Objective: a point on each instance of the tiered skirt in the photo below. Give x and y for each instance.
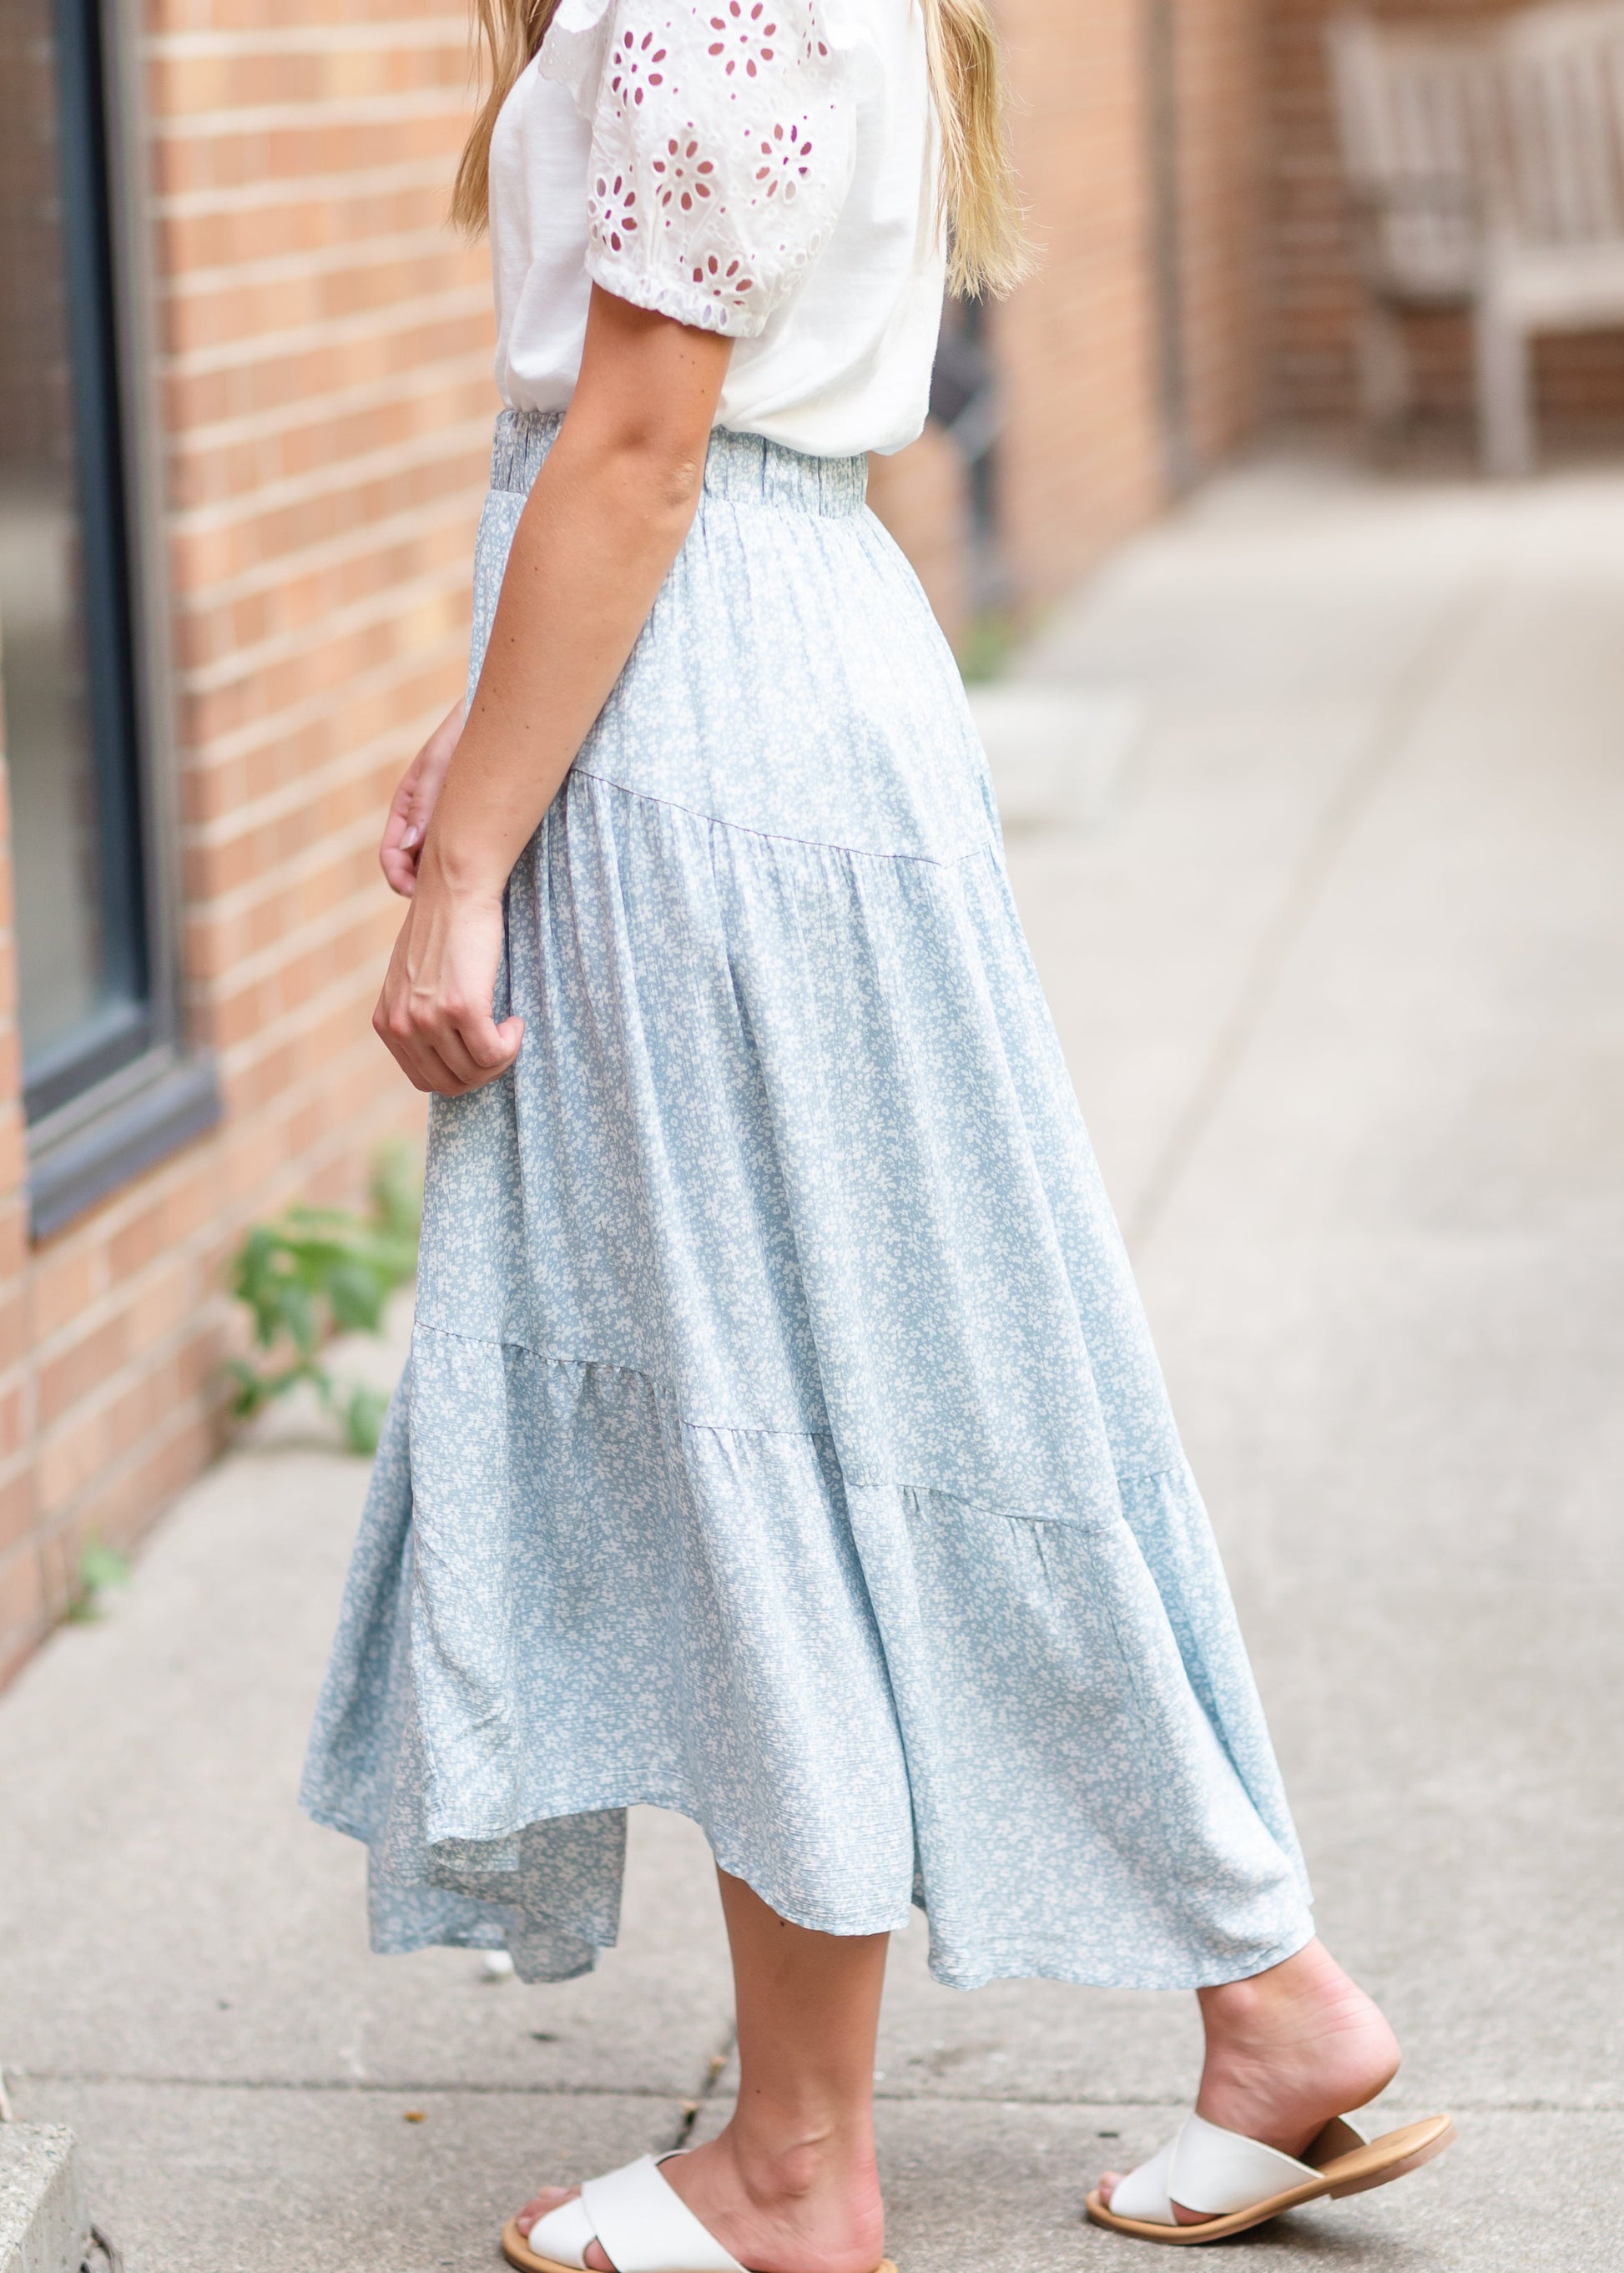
(782, 1442)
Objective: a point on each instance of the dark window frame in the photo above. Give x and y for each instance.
(92, 1129)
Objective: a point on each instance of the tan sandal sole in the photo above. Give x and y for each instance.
(1375, 2164)
(518, 2252)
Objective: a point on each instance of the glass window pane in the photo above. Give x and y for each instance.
(64, 646)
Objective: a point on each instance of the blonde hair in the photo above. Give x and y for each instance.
(986, 238)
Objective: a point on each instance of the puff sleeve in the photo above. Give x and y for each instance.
(722, 149)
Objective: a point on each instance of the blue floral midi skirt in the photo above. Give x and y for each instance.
(782, 1441)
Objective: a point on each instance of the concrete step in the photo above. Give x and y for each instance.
(44, 2216)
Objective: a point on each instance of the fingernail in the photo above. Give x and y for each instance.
(410, 837)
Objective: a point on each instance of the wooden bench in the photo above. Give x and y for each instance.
(1485, 168)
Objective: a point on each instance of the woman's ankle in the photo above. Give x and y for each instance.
(788, 2159)
(1306, 1998)
(1291, 2047)
(801, 2204)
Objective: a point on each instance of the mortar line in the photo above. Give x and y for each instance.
(1397, 713)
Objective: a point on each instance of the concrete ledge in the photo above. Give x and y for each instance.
(44, 2217)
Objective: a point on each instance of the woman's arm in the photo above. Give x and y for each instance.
(604, 523)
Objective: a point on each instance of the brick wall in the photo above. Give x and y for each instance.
(1080, 457)
(921, 495)
(30, 293)
(327, 399)
(1087, 450)
(1219, 81)
(1312, 292)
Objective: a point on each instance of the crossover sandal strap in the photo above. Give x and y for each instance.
(1207, 2169)
(643, 2225)
(1143, 2194)
(563, 2234)
(1217, 2172)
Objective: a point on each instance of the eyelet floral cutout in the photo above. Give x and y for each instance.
(743, 37)
(786, 160)
(683, 175)
(612, 210)
(634, 67)
(727, 286)
(722, 149)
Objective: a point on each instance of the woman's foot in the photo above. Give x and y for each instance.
(1285, 2052)
(791, 2186)
(812, 2208)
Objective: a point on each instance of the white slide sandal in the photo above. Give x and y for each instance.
(642, 2223)
(1238, 2182)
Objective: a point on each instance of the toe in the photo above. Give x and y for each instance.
(550, 2198)
(1108, 2185)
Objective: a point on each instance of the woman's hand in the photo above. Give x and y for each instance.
(413, 801)
(434, 1012)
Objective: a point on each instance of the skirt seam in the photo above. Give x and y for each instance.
(779, 836)
(665, 1398)
(661, 1394)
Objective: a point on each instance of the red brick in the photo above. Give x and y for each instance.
(24, 1616)
(65, 1279)
(16, 1508)
(74, 1372)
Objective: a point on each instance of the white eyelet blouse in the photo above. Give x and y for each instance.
(762, 168)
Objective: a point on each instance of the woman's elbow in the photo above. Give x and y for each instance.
(673, 473)
(646, 398)
(647, 467)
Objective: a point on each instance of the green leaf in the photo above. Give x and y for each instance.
(100, 1571)
(319, 1272)
(101, 1567)
(356, 1297)
(397, 1195)
(364, 1418)
(248, 1391)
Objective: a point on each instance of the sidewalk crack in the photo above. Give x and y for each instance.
(715, 2067)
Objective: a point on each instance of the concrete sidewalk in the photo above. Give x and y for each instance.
(1339, 977)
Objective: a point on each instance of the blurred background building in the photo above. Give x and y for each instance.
(245, 417)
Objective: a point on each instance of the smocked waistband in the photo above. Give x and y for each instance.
(743, 469)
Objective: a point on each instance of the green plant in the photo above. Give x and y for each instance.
(990, 639)
(101, 1572)
(321, 1271)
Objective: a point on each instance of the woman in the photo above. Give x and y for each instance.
(782, 1442)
